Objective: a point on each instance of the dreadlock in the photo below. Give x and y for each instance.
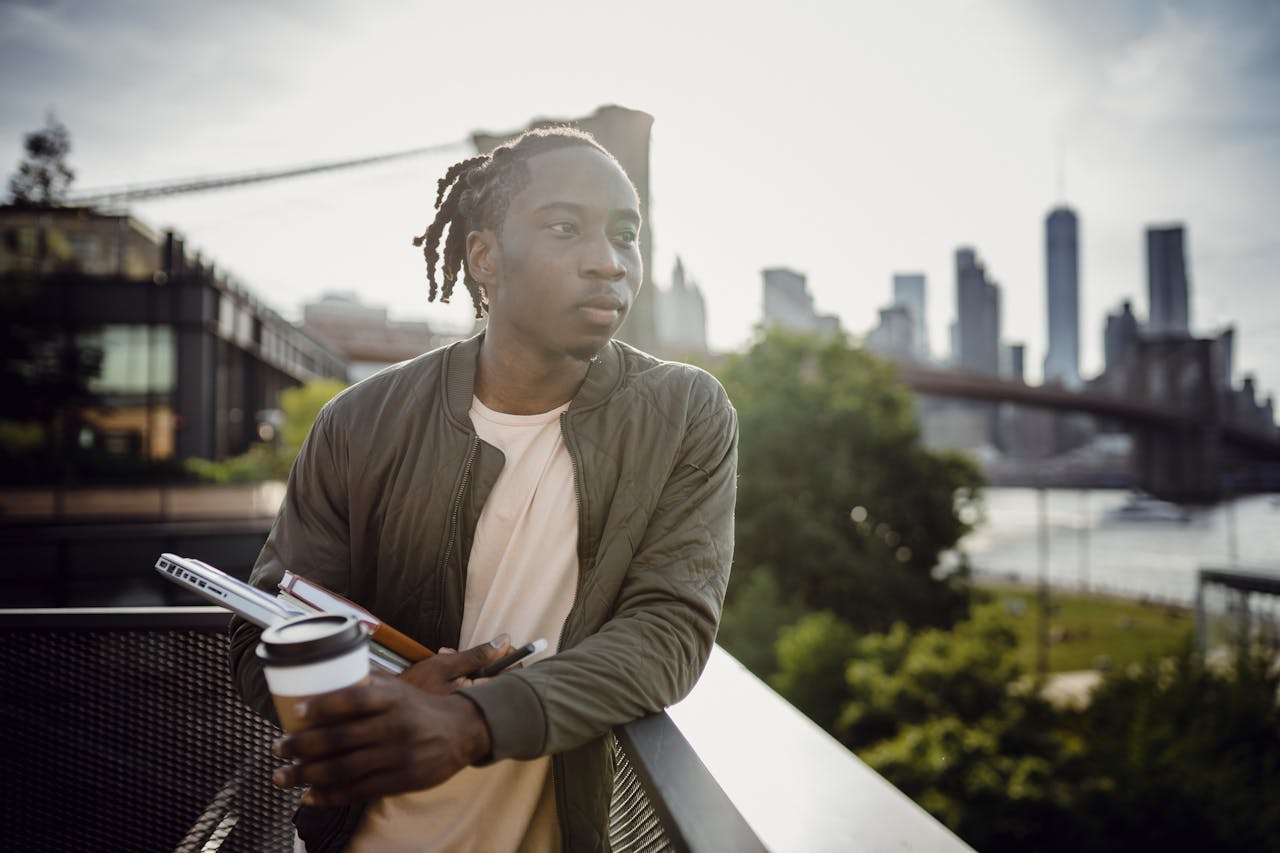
(474, 195)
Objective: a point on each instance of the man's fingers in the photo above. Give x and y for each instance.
(346, 782)
(466, 662)
(346, 770)
(322, 740)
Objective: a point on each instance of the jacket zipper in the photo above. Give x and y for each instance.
(453, 529)
(557, 761)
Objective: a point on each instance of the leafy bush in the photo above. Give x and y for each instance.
(749, 629)
(1186, 756)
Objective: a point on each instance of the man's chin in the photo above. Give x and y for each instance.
(589, 351)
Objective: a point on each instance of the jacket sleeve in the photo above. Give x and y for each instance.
(651, 651)
(310, 536)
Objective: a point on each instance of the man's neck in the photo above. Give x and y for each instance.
(517, 382)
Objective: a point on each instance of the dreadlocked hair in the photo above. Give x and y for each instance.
(474, 195)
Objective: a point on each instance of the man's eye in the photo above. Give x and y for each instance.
(627, 236)
(567, 228)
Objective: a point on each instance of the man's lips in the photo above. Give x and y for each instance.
(601, 310)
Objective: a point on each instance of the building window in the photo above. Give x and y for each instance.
(244, 327)
(85, 246)
(133, 361)
(226, 316)
(26, 242)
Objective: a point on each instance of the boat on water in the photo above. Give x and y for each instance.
(1142, 508)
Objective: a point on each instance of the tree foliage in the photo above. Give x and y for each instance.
(301, 406)
(812, 656)
(948, 719)
(43, 176)
(751, 626)
(838, 498)
(1172, 755)
(1187, 755)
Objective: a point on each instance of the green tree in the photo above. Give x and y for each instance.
(301, 406)
(43, 176)
(838, 499)
(812, 656)
(948, 718)
(751, 626)
(1186, 756)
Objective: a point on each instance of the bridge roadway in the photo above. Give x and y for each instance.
(1128, 410)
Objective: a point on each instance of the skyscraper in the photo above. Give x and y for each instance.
(1061, 255)
(909, 293)
(682, 316)
(977, 331)
(1167, 287)
(894, 335)
(1013, 361)
(789, 304)
(1120, 334)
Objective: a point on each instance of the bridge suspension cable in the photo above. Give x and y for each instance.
(158, 189)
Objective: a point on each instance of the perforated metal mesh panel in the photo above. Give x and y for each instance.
(633, 824)
(132, 741)
(135, 740)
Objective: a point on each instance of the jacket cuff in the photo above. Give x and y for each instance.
(517, 726)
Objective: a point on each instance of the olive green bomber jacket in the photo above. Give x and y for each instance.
(382, 506)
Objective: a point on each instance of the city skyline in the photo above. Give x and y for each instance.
(839, 156)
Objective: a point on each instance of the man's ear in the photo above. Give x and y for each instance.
(482, 257)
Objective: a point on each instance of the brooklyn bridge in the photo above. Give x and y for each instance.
(1191, 441)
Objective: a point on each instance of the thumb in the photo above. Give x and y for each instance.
(466, 662)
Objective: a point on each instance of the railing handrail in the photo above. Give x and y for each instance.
(210, 619)
(692, 807)
(1241, 579)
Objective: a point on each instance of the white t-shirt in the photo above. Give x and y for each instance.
(521, 579)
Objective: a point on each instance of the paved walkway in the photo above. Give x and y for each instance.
(1071, 689)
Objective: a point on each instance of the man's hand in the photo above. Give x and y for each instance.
(447, 672)
(384, 737)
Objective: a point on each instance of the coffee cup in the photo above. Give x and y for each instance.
(309, 656)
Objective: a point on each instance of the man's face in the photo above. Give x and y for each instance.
(568, 255)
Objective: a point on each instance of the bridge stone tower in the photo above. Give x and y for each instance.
(1184, 462)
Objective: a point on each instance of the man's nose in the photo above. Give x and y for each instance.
(601, 259)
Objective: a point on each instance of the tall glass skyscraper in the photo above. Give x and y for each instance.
(909, 293)
(1062, 281)
(1167, 287)
(977, 330)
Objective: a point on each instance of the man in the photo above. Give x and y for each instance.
(540, 480)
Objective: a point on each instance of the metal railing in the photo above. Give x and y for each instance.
(1235, 608)
(121, 730)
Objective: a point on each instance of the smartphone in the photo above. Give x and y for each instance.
(490, 670)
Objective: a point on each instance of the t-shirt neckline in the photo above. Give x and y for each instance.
(505, 419)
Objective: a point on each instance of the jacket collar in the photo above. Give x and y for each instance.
(460, 378)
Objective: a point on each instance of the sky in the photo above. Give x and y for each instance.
(847, 141)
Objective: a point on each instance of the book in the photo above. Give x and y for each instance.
(375, 648)
(312, 594)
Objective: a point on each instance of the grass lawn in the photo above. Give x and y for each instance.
(1090, 631)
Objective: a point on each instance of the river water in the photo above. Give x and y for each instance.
(1093, 546)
